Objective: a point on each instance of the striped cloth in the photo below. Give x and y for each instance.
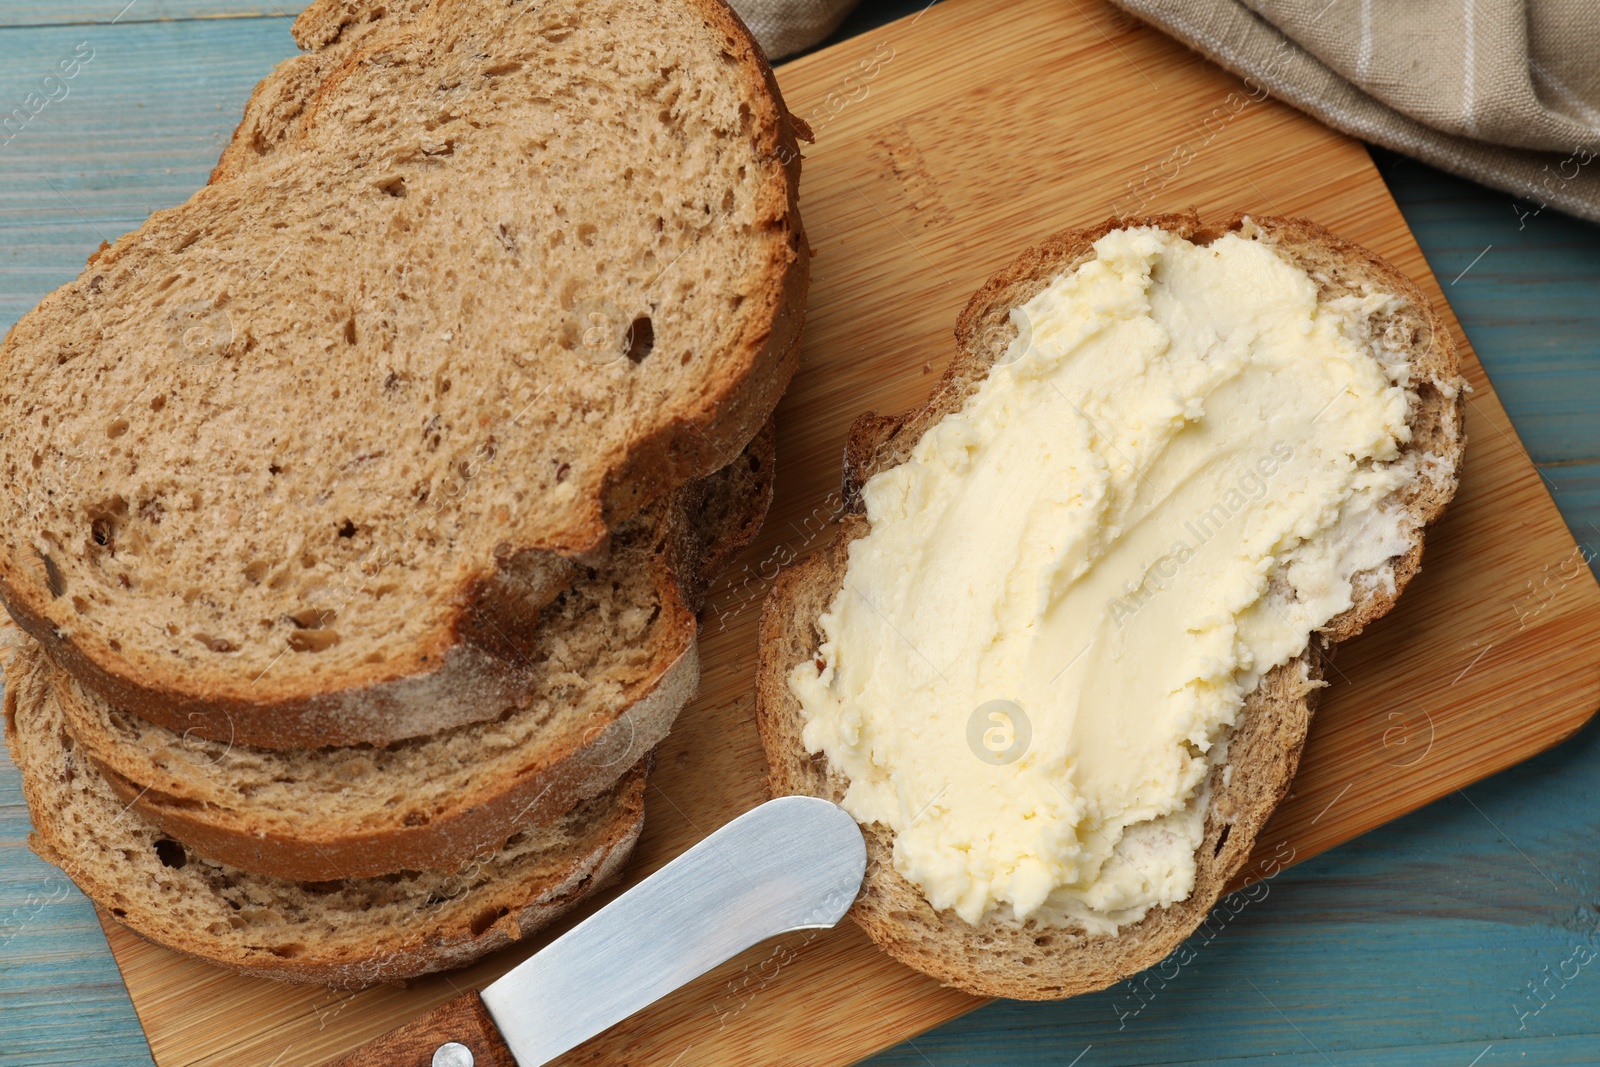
(1505, 92)
(787, 26)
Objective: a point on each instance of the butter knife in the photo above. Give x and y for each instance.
(794, 863)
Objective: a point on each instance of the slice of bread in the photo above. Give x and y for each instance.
(349, 932)
(616, 661)
(1000, 956)
(276, 503)
(328, 31)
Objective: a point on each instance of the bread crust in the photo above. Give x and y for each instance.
(1028, 960)
(253, 835)
(436, 934)
(469, 667)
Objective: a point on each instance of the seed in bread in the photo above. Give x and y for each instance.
(297, 462)
(1028, 933)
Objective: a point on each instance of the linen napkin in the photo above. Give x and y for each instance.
(1505, 92)
(786, 26)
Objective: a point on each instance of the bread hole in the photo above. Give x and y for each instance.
(103, 531)
(728, 202)
(641, 338)
(117, 428)
(509, 66)
(1222, 838)
(487, 918)
(256, 571)
(38, 461)
(441, 386)
(170, 853)
(307, 560)
(586, 233)
(273, 468)
(350, 329)
(80, 605)
(395, 187)
(120, 913)
(416, 818)
(158, 401)
(54, 580)
(116, 646)
(348, 529)
(288, 952)
(313, 640)
(1044, 941)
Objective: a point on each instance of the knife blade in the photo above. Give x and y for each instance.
(794, 863)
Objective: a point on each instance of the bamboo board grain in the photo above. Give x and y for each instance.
(945, 144)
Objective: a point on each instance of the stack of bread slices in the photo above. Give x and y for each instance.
(358, 510)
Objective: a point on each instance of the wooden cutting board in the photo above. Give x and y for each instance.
(945, 144)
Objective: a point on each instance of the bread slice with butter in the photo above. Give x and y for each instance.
(355, 523)
(615, 659)
(1021, 938)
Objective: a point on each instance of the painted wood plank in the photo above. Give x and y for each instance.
(137, 128)
(116, 12)
(1528, 283)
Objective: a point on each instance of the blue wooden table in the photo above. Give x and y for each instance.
(1466, 934)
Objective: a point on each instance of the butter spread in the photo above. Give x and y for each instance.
(1168, 481)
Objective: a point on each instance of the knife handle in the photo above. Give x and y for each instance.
(427, 1042)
